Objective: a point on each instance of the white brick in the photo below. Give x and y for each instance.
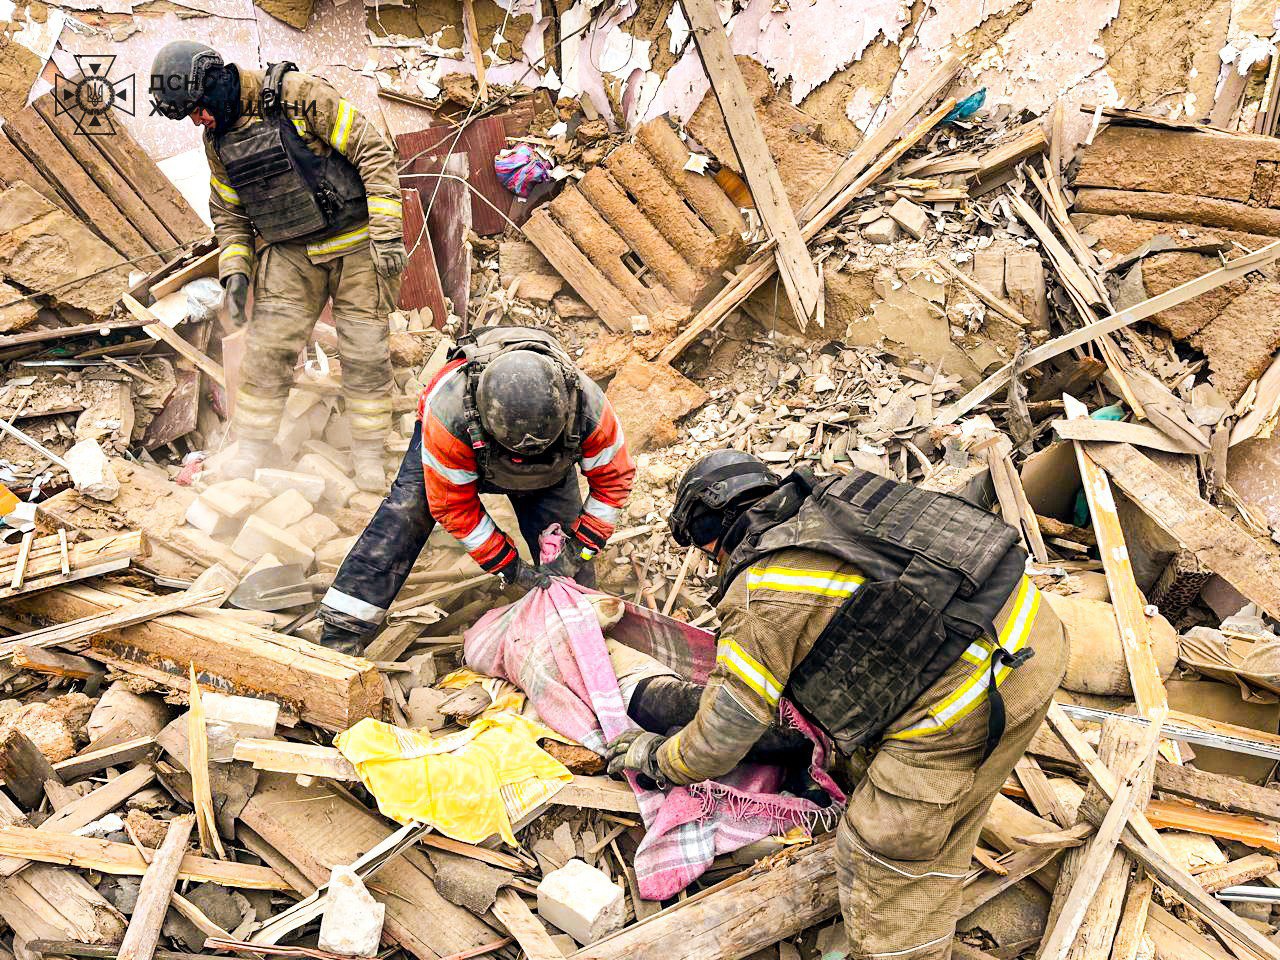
(235, 498)
(201, 544)
(315, 530)
(91, 471)
(352, 921)
(332, 454)
(258, 537)
(293, 433)
(285, 510)
(247, 716)
(264, 562)
(338, 487)
(582, 901)
(330, 555)
(208, 520)
(276, 482)
(338, 433)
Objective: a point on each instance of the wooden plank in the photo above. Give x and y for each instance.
(20, 564)
(85, 151)
(1234, 270)
(1247, 868)
(299, 759)
(598, 793)
(43, 334)
(100, 802)
(143, 935)
(998, 304)
(158, 330)
(53, 663)
(1018, 866)
(30, 135)
(1118, 431)
(91, 761)
(24, 768)
(1133, 919)
(799, 276)
(527, 929)
(124, 859)
(71, 948)
(1223, 547)
(1043, 797)
(607, 300)
(323, 687)
(203, 266)
(477, 52)
(198, 767)
(43, 566)
(1130, 608)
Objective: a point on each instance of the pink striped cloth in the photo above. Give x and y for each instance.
(549, 644)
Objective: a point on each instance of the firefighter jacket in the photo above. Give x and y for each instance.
(771, 615)
(454, 483)
(325, 121)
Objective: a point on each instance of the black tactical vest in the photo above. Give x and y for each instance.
(289, 192)
(938, 571)
(500, 471)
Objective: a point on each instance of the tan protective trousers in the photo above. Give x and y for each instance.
(289, 292)
(905, 843)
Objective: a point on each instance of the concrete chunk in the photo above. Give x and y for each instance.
(880, 230)
(276, 482)
(424, 708)
(338, 487)
(258, 537)
(205, 518)
(285, 510)
(247, 716)
(352, 921)
(236, 498)
(315, 530)
(582, 901)
(91, 471)
(910, 217)
(1025, 283)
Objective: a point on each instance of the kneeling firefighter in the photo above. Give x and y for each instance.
(898, 620)
(295, 165)
(509, 413)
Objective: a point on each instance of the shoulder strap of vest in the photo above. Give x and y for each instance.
(272, 94)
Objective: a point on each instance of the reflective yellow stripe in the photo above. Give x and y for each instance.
(342, 125)
(343, 241)
(966, 698)
(233, 250)
(796, 580)
(749, 670)
(300, 124)
(225, 191)
(677, 761)
(385, 205)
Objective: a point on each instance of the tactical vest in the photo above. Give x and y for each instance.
(289, 192)
(501, 471)
(937, 568)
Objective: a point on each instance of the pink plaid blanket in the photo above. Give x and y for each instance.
(550, 645)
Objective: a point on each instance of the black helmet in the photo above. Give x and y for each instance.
(523, 401)
(178, 76)
(714, 491)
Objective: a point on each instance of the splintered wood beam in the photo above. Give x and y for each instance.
(799, 275)
(36, 564)
(1250, 566)
(143, 934)
(1130, 608)
(24, 768)
(524, 927)
(157, 329)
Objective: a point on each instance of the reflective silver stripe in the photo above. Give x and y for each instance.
(345, 603)
(601, 511)
(439, 385)
(450, 474)
(605, 456)
(481, 532)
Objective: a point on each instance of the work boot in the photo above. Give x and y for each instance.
(343, 641)
(368, 457)
(250, 455)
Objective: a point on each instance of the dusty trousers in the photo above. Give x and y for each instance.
(904, 845)
(289, 292)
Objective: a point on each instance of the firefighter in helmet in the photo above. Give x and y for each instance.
(900, 621)
(305, 201)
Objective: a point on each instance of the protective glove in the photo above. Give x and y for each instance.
(637, 750)
(343, 641)
(389, 257)
(571, 558)
(237, 287)
(524, 575)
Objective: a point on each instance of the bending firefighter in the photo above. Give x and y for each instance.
(509, 413)
(296, 166)
(897, 619)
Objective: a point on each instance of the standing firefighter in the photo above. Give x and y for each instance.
(895, 618)
(510, 414)
(299, 167)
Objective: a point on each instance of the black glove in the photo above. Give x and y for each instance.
(637, 750)
(573, 554)
(524, 575)
(389, 257)
(343, 641)
(237, 287)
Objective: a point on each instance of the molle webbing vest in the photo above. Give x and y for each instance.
(938, 570)
(499, 470)
(289, 192)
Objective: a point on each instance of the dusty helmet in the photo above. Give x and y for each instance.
(714, 491)
(178, 76)
(523, 401)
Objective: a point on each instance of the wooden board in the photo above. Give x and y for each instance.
(143, 936)
(88, 558)
(563, 254)
(527, 929)
(1249, 565)
(1116, 431)
(316, 828)
(156, 329)
(326, 688)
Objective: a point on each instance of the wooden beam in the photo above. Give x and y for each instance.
(1247, 868)
(98, 803)
(55, 664)
(91, 761)
(524, 927)
(24, 768)
(158, 330)
(1133, 919)
(1247, 564)
(1119, 431)
(323, 687)
(1233, 270)
(102, 951)
(477, 52)
(198, 767)
(799, 276)
(124, 859)
(143, 935)
(41, 568)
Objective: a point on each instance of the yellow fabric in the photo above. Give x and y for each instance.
(454, 782)
(504, 697)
